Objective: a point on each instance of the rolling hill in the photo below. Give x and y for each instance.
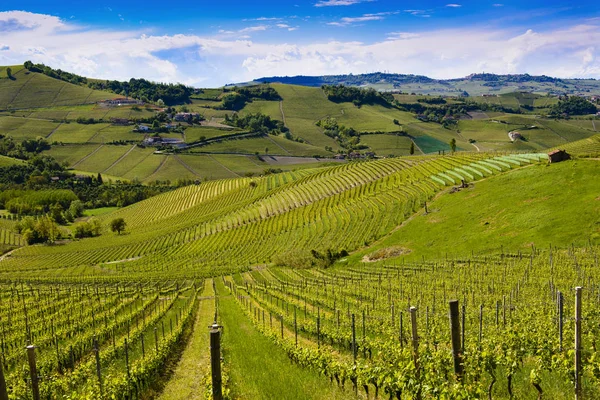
(473, 85)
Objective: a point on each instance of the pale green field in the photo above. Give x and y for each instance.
(270, 108)
(70, 154)
(134, 158)
(384, 145)
(76, 133)
(193, 134)
(102, 159)
(8, 161)
(22, 128)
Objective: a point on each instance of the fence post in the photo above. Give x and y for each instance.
(354, 338)
(456, 342)
(281, 322)
(35, 388)
(98, 372)
(3, 389)
(415, 337)
(578, 343)
(480, 324)
(156, 339)
(560, 320)
(215, 361)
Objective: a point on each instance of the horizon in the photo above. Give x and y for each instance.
(208, 45)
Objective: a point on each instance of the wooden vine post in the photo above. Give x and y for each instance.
(415, 337)
(578, 370)
(353, 338)
(35, 388)
(98, 371)
(3, 389)
(215, 361)
(456, 342)
(560, 319)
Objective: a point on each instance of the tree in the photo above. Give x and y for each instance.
(118, 225)
(453, 145)
(412, 148)
(9, 72)
(99, 178)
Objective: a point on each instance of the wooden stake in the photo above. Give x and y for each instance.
(578, 371)
(35, 388)
(456, 342)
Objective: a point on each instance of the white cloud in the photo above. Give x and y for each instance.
(572, 51)
(498, 5)
(364, 18)
(334, 3)
(453, 5)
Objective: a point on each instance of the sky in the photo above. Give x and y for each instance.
(212, 43)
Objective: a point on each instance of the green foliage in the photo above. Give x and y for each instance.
(572, 105)
(347, 138)
(257, 123)
(39, 202)
(239, 97)
(357, 96)
(55, 73)
(90, 228)
(24, 150)
(38, 230)
(118, 225)
(142, 89)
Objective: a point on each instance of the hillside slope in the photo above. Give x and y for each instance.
(291, 219)
(27, 90)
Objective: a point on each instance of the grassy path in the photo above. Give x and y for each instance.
(257, 368)
(186, 382)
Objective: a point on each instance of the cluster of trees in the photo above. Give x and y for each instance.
(55, 73)
(239, 97)
(23, 150)
(348, 138)
(90, 228)
(36, 202)
(327, 258)
(147, 91)
(257, 123)
(38, 230)
(432, 100)
(351, 79)
(573, 105)
(357, 96)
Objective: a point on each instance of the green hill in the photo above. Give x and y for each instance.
(237, 223)
(83, 135)
(26, 90)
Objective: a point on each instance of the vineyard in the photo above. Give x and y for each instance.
(425, 277)
(286, 219)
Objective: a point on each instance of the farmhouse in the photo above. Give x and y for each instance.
(185, 117)
(557, 156)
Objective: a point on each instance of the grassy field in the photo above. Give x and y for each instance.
(254, 377)
(8, 161)
(491, 214)
(388, 144)
(29, 90)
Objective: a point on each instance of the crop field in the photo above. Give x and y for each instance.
(244, 248)
(22, 128)
(388, 144)
(193, 134)
(29, 90)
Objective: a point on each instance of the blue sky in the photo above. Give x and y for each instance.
(213, 43)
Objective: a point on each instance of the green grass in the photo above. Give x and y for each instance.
(388, 144)
(259, 369)
(76, 133)
(22, 128)
(193, 134)
(30, 89)
(553, 204)
(102, 159)
(8, 161)
(94, 212)
(429, 144)
(270, 108)
(194, 365)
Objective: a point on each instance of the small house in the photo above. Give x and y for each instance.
(143, 128)
(558, 156)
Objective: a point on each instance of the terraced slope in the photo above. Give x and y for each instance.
(233, 224)
(31, 89)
